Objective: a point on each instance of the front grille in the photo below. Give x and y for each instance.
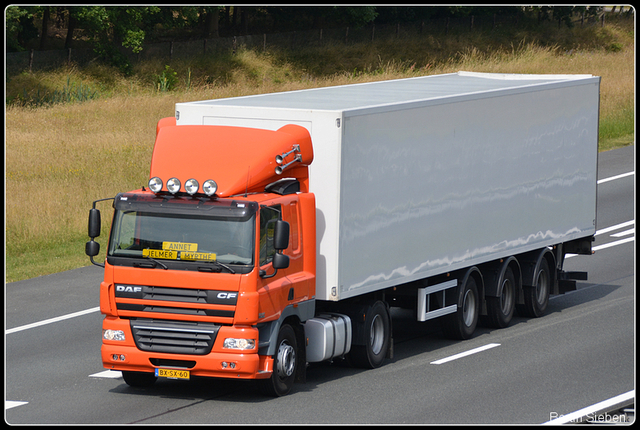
(175, 337)
(204, 303)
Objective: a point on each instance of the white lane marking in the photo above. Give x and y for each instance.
(110, 374)
(615, 227)
(8, 404)
(624, 233)
(590, 410)
(466, 353)
(607, 230)
(52, 320)
(613, 178)
(616, 243)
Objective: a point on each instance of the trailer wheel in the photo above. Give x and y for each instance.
(285, 364)
(536, 298)
(462, 323)
(500, 309)
(377, 329)
(138, 379)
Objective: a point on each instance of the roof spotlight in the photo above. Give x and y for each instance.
(191, 186)
(209, 187)
(173, 185)
(155, 184)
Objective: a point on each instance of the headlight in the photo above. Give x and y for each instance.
(191, 186)
(155, 184)
(113, 334)
(173, 185)
(209, 187)
(231, 343)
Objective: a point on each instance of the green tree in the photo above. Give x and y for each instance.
(20, 27)
(113, 27)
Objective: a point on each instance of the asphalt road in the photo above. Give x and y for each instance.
(581, 353)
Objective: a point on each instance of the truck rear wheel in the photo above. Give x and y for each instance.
(377, 329)
(462, 323)
(138, 379)
(285, 364)
(500, 309)
(536, 298)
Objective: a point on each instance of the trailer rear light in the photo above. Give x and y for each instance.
(242, 344)
(155, 184)
(209, 187)
(113, 335)
(173, 185)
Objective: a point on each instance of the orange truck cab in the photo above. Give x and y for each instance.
(278, 230)
(216, 227)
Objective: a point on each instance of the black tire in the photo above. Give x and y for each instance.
(500, 309)
(138, 379)
(536, 298)
(285, 364)
(377, 329)
(462, 323)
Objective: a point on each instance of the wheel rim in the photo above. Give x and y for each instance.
(506, 299)
(542, 286)
(376, 336)
(286, 359)
(469, 308)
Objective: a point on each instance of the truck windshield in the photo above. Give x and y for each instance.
(188, 238)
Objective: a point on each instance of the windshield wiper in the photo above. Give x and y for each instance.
(208, 269)
(151, 266)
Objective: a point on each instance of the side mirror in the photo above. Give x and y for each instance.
(94, 223)
(280, 242)
(92, 248)
(280, 261)
(281, 235)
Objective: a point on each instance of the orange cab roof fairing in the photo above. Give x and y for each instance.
(239, 159)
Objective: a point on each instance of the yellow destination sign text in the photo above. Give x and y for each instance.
(179, 246)
(200, 256)
(160, 253)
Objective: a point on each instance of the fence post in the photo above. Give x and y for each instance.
(264, 41)
(346, 36)
(30, 60)
(373, 32)
(171, 50)
(68, 56)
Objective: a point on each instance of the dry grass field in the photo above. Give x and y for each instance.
(62, 157)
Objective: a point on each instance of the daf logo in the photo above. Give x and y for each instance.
(128, 289)
(227, 296)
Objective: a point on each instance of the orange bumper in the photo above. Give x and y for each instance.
(219, 363)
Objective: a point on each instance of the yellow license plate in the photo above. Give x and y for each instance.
(172, 373)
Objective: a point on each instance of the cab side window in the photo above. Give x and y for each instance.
(268, 217)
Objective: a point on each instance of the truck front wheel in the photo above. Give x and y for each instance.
(285, 364)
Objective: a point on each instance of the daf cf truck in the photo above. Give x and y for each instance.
(278, 230)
